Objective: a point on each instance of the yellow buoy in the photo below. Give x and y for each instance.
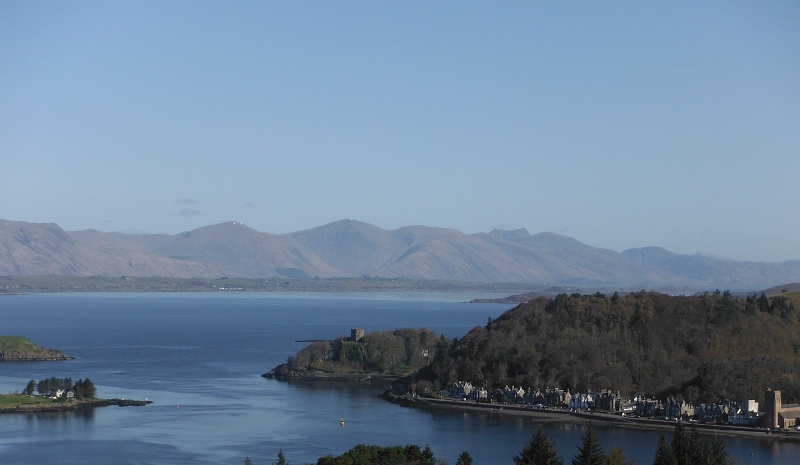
(341, 422)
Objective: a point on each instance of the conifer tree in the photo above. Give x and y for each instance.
(590, 452)
(30, 388)
(281, 458)
(680, 446)
(717, 455)
(43, 387)
(617, 457)
(540, 451)
(664, 454)
(88, 388)
(698, 449)
(464, 459)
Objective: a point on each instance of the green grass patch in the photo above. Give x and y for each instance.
(14, 400)
(15, 343)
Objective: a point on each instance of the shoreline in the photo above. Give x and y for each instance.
(313, 375)
(550, 415)
(32, 408)
(13, 358)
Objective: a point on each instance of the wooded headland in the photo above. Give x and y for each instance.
(701, 348)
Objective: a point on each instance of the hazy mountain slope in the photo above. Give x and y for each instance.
(438, 252)
(714, 272)
(563, 259)
(46, 249)
(424, 252)
(780, 289)
(435, 253)
(352, 248)
(146, 243)
(359, 249)
(245, 251)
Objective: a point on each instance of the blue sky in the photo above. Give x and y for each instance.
(622, 124)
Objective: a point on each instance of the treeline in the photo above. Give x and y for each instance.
(363, 454)
(83, 388)
(686, 448)
(402, 351)
(701, 347)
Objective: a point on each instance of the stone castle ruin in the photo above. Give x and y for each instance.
(356, 334)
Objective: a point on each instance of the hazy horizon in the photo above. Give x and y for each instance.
(621, 125)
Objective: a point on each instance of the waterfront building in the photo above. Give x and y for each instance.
(777, 414)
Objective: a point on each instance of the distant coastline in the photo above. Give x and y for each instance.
(23, 285)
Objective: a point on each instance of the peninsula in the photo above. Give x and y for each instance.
(377, 355)
(21, 349)
(21, 403)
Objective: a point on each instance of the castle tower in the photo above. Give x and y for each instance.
(356, 334)
(772, 408)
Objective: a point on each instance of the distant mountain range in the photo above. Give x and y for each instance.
(351, 248)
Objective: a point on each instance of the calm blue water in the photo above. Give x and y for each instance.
(199, 358)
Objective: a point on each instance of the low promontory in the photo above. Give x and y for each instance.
(21, 403)
(21, 349)
(377, 355)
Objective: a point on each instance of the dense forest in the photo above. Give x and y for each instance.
(702, 347)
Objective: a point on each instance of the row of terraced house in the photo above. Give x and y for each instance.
(745, 413)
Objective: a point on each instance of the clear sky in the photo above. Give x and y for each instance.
(621, 124)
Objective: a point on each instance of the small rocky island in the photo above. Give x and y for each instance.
(21, 349)
(381, 355)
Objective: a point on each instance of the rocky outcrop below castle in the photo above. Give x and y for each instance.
(283, 372)
(21, 349)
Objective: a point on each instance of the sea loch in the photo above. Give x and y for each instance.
(199, 357)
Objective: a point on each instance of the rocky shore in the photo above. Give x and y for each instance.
(549, 415)
(284, 373)
(43, 355)
(74, 405)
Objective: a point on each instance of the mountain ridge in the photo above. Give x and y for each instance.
(350, 248)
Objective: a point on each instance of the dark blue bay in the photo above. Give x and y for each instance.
(199, 358)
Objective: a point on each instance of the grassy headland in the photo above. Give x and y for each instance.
(21, 349)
